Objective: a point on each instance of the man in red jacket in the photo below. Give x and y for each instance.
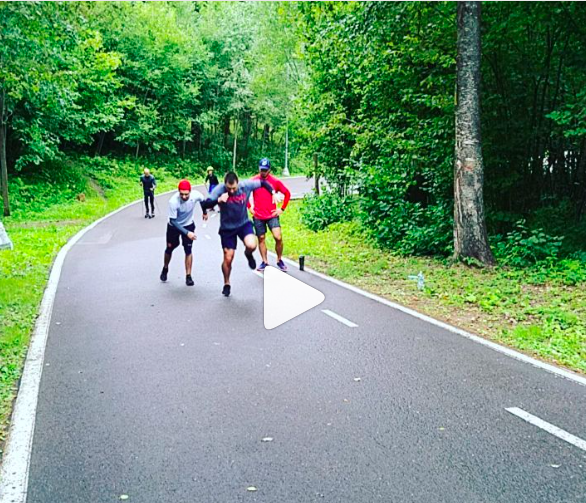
(266, 214)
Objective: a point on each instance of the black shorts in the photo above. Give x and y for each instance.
(173, 234)
(228, 237)
(260, 226)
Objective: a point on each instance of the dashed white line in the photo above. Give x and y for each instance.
(339, 318)
(492, 345)
(550, 428)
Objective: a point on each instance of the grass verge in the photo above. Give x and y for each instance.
(38, 232)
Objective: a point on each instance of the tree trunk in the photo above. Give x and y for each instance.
(226, 131)
(3, 165)
(265, 137)
(315, 173)
(235, 144)
(100, 144)
(247, 127)
(470, 236)
(137, 149)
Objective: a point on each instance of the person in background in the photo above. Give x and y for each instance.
(149, 184)
(212, 179)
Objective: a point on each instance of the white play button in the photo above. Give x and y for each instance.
(286, 297)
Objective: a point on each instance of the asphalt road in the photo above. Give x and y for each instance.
(164, 393)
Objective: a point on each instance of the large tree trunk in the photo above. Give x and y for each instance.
(470, 236)
(3, 165)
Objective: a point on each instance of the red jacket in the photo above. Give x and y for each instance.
(263, 201)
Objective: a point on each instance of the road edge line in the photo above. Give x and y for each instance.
(493, 345)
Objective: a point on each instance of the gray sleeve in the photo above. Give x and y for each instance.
(173, 222)
(250, 185)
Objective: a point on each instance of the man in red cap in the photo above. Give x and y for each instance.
(181, 224)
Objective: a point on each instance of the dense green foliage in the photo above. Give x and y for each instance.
(167, 78)
(379, 109)
(369, 86)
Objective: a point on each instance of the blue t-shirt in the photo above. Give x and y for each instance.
(233, 212)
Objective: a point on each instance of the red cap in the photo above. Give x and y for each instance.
(184, 185)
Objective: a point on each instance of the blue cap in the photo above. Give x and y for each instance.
(264, 164)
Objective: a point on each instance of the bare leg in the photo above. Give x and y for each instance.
(227, 264)
(250, 243)
(278, 242)
(188, 264)
(167, 260)
(262, 246)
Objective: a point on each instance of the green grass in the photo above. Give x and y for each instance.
(38, 234)
(542, 313)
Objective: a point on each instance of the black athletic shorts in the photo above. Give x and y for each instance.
(229, 238)
(260, 226)
(173, 234)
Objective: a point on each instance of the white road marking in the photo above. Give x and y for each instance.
(214, 215)
(492, 345)
(341, 319)
(17, 455)
(550, 428)
(258, 273)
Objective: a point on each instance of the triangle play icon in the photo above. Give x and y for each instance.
(286, 297)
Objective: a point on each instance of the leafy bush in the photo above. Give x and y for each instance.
(523, 246)
(320, 211)
(408, 228)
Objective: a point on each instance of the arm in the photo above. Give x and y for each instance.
(284, 190)
(180, 228)
(211, 201)
(154, 184)
(267, 186)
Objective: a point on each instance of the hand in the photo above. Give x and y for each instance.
(278, 212)
(205, 217)
(223, 198)
(192, 236)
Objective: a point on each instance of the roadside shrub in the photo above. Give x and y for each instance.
(320, 211)
(524, 247)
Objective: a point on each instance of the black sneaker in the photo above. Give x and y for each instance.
(226, 291)
(164, 274)
(189, 280)
(153, 214)
(147, 216)
(251, 261)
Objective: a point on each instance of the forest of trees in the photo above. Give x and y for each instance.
(369, 87)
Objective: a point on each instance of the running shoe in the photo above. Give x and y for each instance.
(250, 258)
(164, 274)
(281, 265)
(147, 216)
(262, 266)
(189, 280)
(226, 291)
